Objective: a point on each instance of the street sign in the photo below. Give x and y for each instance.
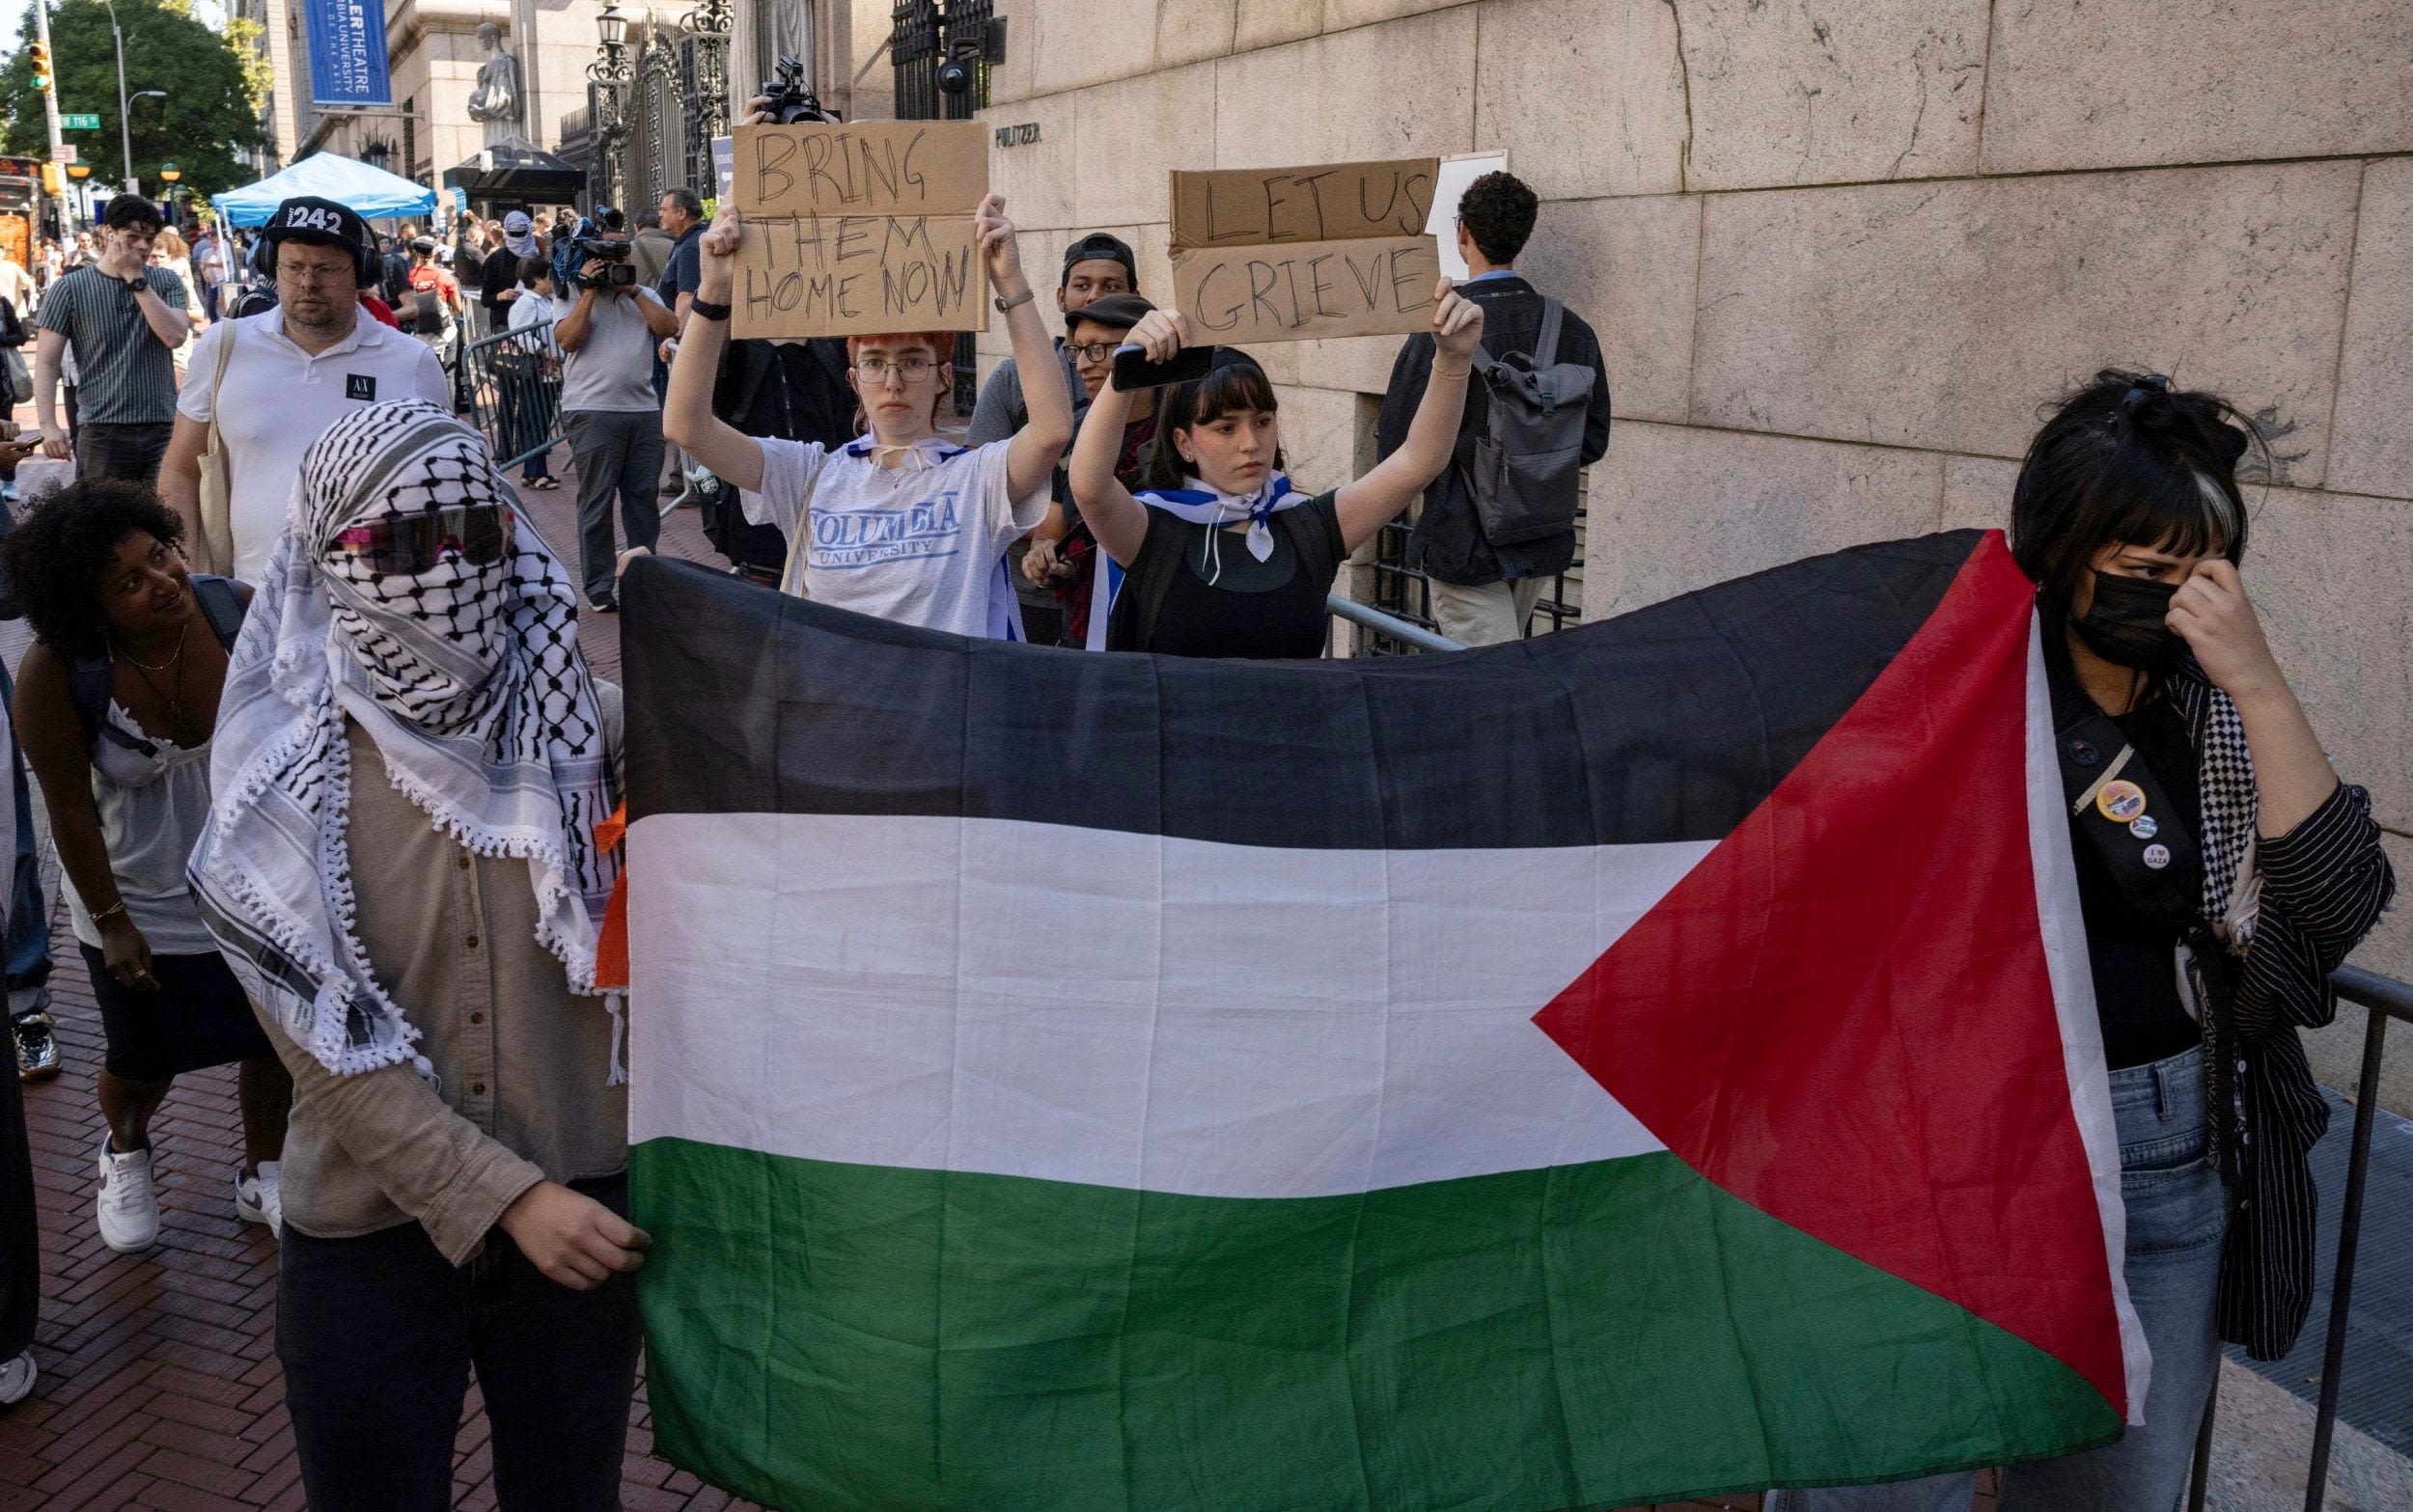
(64, 154)
(69, 120)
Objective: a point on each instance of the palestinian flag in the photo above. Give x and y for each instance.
(1646, 1061)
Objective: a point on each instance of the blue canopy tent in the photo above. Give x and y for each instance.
(371, 192)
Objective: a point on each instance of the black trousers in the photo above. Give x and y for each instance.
(379, 1335)
(132, 452)
(616, 453)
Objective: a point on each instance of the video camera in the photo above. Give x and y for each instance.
(574, 251)
(791, 100)
(618, 271)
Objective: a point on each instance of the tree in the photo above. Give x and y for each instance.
(210, 111)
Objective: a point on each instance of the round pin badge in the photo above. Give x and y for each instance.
(2120, 800)
(2143, 827)
(2157, 856)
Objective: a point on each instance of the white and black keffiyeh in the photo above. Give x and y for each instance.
(468, 678)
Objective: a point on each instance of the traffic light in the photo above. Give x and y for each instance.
(52, 182)
(42, 67)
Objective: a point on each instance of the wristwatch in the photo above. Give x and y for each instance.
(1006, 305)
(137, 284)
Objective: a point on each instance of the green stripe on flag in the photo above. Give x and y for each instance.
(827, 1338)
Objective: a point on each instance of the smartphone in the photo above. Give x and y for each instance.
(1133, 371)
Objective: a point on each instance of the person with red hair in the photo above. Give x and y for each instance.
(899, 523)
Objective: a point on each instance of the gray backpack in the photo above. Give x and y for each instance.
(1528, 462)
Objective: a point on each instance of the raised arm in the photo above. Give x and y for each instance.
(1366, 506)
(1031, 456)
(1118, 521)
(570, 331)
(688, 417)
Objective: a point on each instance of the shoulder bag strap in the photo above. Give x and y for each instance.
(1546, 347)
(216, 546)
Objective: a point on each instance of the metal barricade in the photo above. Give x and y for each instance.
(509, 387)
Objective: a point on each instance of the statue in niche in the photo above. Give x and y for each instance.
(495, 101)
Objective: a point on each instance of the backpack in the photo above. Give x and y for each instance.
(91, 681)
(1131, 626)
(1527, 466)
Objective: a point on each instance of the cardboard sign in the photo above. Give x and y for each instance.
(1292, 254)
(861, 229)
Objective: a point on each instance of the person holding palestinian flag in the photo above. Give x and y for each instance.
(1220, 555)
(401, 867)
(2223, 872)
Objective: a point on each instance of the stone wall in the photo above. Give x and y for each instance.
(1838, 254)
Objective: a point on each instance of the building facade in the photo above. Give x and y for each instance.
(1839, 254)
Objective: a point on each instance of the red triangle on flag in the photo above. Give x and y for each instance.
(1842, 1013)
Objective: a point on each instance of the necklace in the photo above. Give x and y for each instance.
(168, 695)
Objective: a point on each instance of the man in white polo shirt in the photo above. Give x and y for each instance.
(291, 372)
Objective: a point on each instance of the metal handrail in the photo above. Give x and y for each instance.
(1392, 625)
(2385, 998)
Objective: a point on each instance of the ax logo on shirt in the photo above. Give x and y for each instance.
(360, 386)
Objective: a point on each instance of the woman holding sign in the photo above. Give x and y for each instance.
(898, 524)
(1220, 555)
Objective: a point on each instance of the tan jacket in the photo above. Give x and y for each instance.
(520, 1063)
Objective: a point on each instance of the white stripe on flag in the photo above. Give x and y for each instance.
(1120, 1009)
(2064, 934)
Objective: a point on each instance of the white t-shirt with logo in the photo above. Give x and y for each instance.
(279, 399)
(923, 543)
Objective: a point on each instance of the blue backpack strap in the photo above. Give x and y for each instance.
(90, 685)
(221, 605)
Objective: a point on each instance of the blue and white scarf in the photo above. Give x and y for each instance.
(1201, 505)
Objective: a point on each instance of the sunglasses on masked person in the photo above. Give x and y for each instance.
(404, 544)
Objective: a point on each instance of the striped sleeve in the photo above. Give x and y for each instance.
(2324, 885)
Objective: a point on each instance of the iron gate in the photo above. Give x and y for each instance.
(1400, 589)
(922, 36)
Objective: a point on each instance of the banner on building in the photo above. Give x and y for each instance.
(1293, 254)
(1643, 1061)
(858, 230)
(348, 65)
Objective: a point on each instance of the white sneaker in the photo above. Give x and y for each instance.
(258, 1200)
(16, 1379)
(129, 1205)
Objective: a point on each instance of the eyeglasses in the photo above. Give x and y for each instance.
(876, 369)
(306, 273)
(404, 544)
(1093, 352)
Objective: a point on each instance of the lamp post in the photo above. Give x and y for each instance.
(79, 172)
(171, 175)
(609, 73)
(126, 134)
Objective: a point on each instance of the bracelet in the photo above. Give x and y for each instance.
(699, 305)
(1006, 305)
(1441, 369)
(110, 912)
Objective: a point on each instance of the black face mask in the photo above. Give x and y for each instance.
(2125, 625)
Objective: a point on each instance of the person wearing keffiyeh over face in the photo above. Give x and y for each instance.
(2223, 872)
(400, 866)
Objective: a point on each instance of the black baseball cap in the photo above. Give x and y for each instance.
(1099, 247)
(309, 218)
(1114, 311)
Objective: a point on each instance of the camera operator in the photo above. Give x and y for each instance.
(607, 331)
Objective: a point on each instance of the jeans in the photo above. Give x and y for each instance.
(2178, 1216)
(25, 947)
(377, 1336)
(617, 452)
(132, 452)
(1488, 614)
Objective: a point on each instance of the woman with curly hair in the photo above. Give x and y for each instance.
(115, 705)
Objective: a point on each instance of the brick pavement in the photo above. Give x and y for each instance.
(159, 1386)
